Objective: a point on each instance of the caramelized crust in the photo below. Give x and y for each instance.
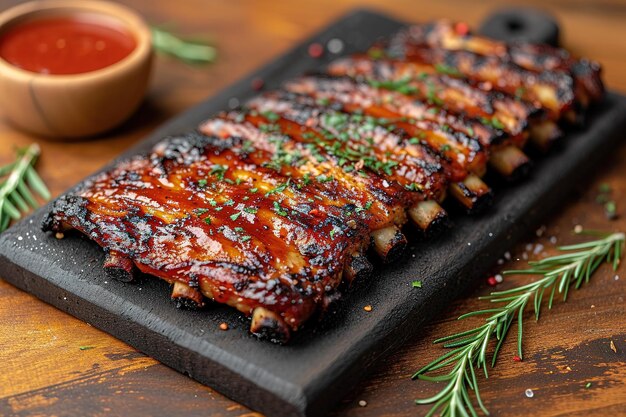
(197, 211)
(355, 140)
(451, 35)
(364, 192)
(457, 140)
(552, 91)
(426, 83)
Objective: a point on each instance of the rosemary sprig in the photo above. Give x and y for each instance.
(189, 51)
(469, 348)
(18, 181)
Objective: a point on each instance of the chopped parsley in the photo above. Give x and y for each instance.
(401, 86)
(235, 216)
(324, 178)
(278, 189)
(448, 70)
(251, 210)
(413, 187)
(278, 209)
(271, 116)
(219, 171)
(416, 284)
(202, 183)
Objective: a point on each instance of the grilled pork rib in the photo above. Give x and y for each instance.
(271, 208)
(198, 211)
(537, 58)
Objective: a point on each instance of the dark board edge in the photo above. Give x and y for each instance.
(262, 390)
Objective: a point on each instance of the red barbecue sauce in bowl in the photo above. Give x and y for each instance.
(64, 45)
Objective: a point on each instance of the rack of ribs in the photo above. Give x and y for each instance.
(276, 207)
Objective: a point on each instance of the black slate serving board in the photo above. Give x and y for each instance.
(324, 360)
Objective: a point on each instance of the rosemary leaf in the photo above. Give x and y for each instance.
(194, 52)
(18, 182)
(469, 348)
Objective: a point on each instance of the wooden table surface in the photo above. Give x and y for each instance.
(43, 371)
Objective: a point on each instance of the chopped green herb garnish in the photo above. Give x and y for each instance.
(245, 238)
(86, 347)
(401, 86)
(376, 53)
(251, 210)
(611, 209)
(219, 171)
(324, 178)
(447, 69)
(416, 284)
(605, 188)
(278, 209)
(229, 202)
(235, 216)
(413, 187)
(202, 183)
(271, 116)
(200, 211)
(278, 189)
(207, 220)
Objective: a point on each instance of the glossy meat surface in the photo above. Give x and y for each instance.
(432, 85)
(196, 211)
(456, 139)
(537, 58)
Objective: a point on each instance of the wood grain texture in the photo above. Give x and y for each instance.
(43, 371)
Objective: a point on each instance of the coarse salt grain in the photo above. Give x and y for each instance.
(233, 102)
(335, 46)
(578, 228)
(529, 393)
(498, 278)
(362, 403)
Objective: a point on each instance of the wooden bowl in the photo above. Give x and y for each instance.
(76, 105)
